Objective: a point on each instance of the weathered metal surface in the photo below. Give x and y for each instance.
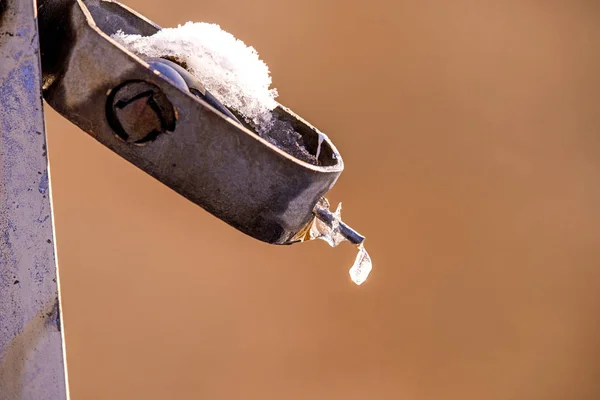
(31, 343)
(138, 112)
(208, 158)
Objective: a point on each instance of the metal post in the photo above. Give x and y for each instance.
(32, 362)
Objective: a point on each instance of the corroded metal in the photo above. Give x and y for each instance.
(138, 112)
(32, 365)
(215, 162)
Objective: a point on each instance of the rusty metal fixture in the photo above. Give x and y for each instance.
(139, 111)
(222, 165)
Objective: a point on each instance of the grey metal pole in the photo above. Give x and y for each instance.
(32, 362)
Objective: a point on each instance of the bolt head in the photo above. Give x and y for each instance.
(138, 112)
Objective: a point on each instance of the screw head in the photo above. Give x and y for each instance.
(138, 112)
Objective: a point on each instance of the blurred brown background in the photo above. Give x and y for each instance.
(470, 135)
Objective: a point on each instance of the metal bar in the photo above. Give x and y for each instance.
(32, 358)
(327, 217)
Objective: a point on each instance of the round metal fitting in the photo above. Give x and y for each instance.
(138, 112)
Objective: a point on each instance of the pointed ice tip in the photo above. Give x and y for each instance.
(360, 270)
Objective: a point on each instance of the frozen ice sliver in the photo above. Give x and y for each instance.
(330, 234)
(360, 270)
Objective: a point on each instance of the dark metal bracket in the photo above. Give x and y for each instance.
(181, 137)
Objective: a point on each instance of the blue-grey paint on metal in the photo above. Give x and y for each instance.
(32, 364)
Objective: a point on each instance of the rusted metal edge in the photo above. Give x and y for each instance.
(32, 361)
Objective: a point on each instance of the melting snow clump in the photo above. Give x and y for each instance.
(227, 68)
